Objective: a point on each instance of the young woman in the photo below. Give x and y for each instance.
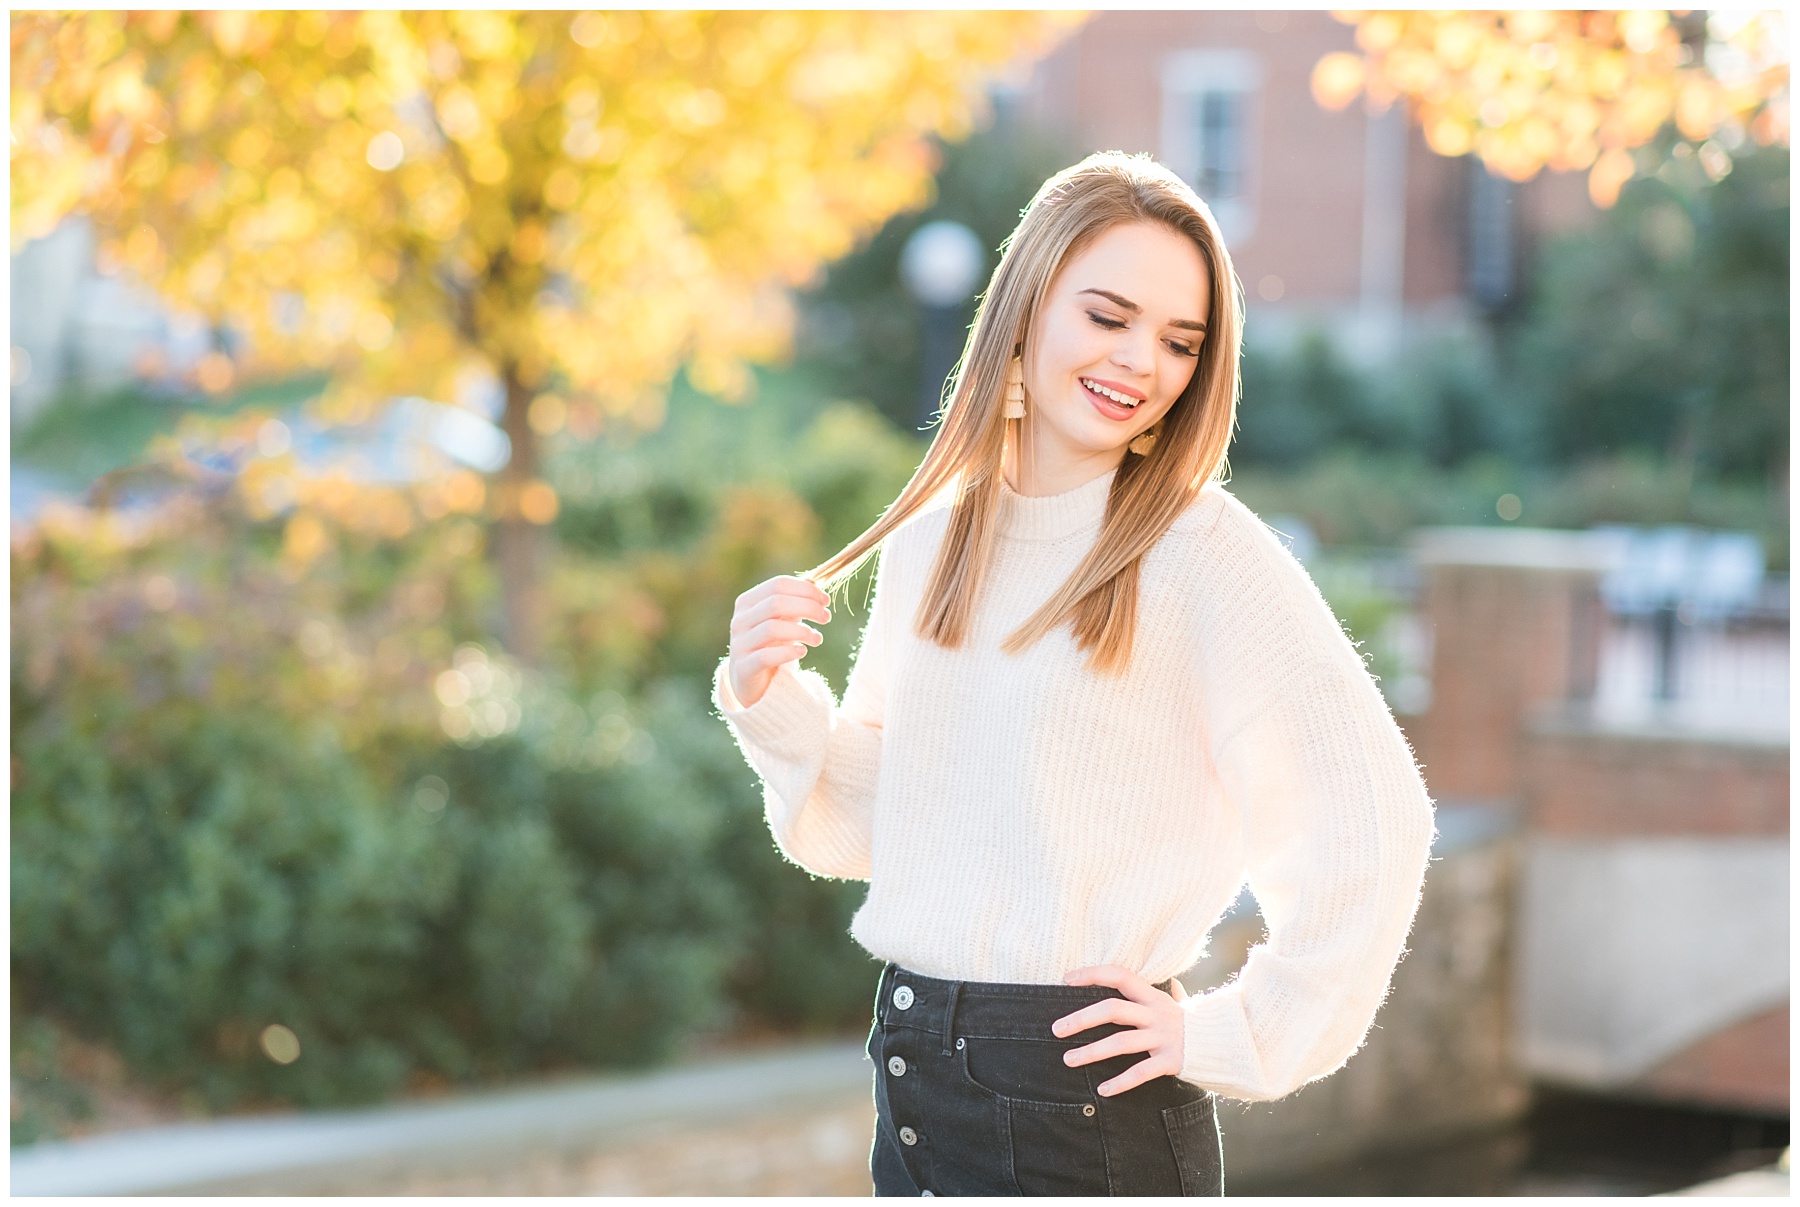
(1094, 698)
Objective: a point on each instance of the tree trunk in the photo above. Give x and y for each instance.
(518, 543)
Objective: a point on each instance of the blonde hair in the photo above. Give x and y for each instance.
(1071, 209)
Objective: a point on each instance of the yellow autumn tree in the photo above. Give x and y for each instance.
(578, 204)
(1568, 90)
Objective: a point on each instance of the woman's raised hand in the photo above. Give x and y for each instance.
(766, 631)
(1156, 1016)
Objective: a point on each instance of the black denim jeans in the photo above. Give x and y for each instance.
(972, 1098)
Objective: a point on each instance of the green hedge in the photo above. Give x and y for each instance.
(237, 802)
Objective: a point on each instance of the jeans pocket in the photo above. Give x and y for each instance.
(1047, 1110)
(1027, 1069)
(1057, 1148)
(1193, 1129)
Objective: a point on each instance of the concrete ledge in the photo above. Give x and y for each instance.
(1631, 950)
(302, 1149)
(1578, 721)
(1518, 548)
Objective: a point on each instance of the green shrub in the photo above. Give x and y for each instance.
(238, 804)
(1664, 328)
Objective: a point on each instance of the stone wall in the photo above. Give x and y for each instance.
(1436, 1064)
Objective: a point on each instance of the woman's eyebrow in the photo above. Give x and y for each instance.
(1127, 304)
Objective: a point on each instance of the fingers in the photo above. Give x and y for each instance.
(788, 585)
(772, 632)
(1113, 1045)
(775, 655)
(781, 606)
(766, 631)
(751, 671)
(1147, 1069)
(1110, 1010)
(1124, 980)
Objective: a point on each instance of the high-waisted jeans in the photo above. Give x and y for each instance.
(972, 1098)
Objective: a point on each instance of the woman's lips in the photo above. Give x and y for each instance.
(1107, 406)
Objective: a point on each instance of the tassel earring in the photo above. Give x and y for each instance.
(1145, 441)
(1015, 390)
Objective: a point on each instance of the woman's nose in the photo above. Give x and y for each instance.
(1133, 356)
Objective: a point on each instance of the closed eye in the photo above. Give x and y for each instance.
(1113, 324)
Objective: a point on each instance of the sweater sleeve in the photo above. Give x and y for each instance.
(818, 760)
(1336, 831)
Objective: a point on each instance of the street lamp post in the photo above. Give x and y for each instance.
(940, 265)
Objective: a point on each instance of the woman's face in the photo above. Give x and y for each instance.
(1124, 319)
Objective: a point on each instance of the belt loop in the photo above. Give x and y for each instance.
(950, 1017)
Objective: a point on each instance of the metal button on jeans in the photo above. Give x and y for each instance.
(896, 1066)
(926, 1194)
(908, 1136)
(903, 997)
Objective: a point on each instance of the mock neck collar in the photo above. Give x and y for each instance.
(1052, 517)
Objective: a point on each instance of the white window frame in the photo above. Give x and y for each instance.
(1187, 76)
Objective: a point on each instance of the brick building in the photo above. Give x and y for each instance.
(1343, 219)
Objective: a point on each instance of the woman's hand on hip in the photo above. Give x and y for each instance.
(766, 632)
(1156, 1016)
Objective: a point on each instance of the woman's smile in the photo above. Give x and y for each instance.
(1107, 397)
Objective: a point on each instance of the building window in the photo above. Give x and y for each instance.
(1492, 237)
(1219, 166)
(1208, 108)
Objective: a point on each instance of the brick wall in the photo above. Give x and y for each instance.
(1580, 780)
(1507, 641)
(1742, 1067)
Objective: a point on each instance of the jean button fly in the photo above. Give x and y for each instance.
(896, 1066)
(903, 997)
(908, 1136)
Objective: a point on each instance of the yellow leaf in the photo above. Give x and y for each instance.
(1336, 80)
(1609, 175)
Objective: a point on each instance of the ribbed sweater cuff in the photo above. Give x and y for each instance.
(787, 721)
(1218, 1051)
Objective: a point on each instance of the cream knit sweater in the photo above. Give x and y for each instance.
(1019, 817)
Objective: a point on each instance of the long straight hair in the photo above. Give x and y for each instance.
(1071, 210)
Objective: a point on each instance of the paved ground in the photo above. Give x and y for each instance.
(815, 1152)
(1752, 1183)
(793, 1121)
